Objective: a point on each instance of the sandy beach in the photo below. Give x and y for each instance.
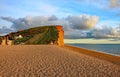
(53, 61)
(104, 56)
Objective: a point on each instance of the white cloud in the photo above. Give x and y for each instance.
(83, 21)
(114, 3)
(74, 26)
(71, 24)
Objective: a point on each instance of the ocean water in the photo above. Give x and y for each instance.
(107, 48)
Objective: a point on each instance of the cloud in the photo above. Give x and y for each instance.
(114, 3)
(70, 22)
(82, 21)
(106, 31)
(28, 22)
(104, 4)
(7, 19)
(18, 24)
(108, 3)
(52, 18)
(97, 32)
(5, 30)
(74, 26)
(75, 34)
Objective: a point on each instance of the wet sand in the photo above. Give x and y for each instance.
(52, 61)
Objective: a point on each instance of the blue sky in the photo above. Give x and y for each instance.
(108, 11)
(60, 8)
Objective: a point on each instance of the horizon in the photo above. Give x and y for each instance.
(79, 18)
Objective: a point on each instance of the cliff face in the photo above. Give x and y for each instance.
(38, 35)
(60, 36)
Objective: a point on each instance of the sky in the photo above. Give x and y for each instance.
(100, 18)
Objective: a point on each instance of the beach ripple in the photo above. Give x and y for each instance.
(52, 61)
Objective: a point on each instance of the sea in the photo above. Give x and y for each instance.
(113, 49)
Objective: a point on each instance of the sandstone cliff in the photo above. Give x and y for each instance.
(61, 36)
(38, 35)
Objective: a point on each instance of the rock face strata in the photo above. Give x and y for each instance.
(39, 35)
(61, 36)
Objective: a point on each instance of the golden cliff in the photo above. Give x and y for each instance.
(61, 36)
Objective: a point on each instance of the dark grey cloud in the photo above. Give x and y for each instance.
(75, 34)
(52, 18)
(69, 23)
(4, 30)
(74, 22)
(98, 32)
(18, 24)
(10, 19)
(28, 22)
(106, 31)
(74, 26)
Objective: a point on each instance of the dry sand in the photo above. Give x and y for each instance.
(52, 61)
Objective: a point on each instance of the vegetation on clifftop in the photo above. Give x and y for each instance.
(51, 35)
(39, 35)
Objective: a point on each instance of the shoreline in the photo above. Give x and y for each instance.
(101, 55)
(97, 50)
(95, 43)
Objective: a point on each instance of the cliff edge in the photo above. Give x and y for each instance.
(61, 36)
